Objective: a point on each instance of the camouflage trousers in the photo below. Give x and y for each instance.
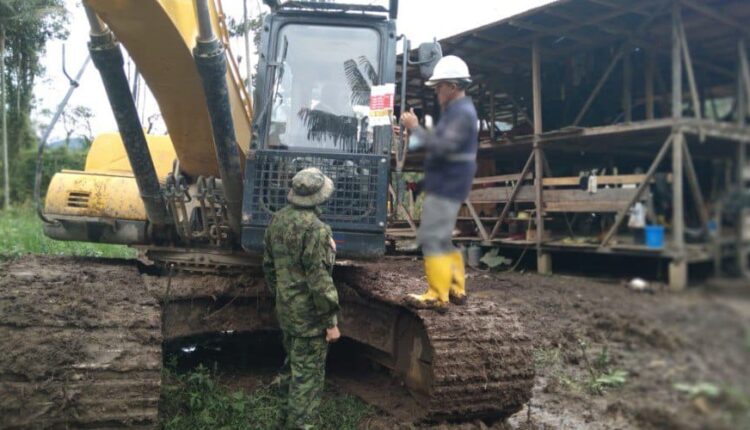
(301, 380)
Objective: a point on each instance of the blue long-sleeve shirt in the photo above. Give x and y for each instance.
(451, 161)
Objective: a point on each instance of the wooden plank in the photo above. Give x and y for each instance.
(494, 179)
(527, 194)
(588, 206)
(634, 179)
(563, 181)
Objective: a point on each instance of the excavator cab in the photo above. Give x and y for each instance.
(319, 64)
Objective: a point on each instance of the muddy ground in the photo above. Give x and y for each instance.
(606, 357)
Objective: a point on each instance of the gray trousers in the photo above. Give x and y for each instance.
(435, 234)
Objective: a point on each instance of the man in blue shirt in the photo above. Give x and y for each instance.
(449, 170)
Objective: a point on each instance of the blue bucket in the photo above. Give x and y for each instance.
(655, 236)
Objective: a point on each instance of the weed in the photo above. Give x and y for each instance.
(545, 358)
(601, 375)
(195, 401)
(615, 378)
(704, 389)
(21, 233)
(551, 362)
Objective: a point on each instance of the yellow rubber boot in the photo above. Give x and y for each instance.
(439, 271)
(458, 282)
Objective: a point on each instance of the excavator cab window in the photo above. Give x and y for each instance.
(321, 89)
(318, 67)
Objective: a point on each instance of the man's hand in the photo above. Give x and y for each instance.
(397, 132)
(333, 334)
(409, 119)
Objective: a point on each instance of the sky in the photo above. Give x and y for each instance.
(420, 20)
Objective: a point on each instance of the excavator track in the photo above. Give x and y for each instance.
(475, 361)
(81, 345)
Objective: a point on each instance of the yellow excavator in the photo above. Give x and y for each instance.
(196, 202)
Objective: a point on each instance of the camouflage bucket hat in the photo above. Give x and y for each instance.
(310, 187)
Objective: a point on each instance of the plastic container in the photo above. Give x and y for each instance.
(655, 236)
(474, 254)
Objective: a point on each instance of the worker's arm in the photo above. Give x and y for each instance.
(269, 268)
(450, 132)
(318, 258)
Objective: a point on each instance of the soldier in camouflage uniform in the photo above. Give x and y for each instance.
(298, 260)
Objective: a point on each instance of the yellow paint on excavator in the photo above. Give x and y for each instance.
(106, 188)
(107, 154)
(159, 35)
(106, 195)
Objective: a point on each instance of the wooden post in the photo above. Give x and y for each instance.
(743, 95)
(649, 79)
(543, 260)
(627, 81)
(744, 73)
(492, 114)
(678, 265)
(598, 87)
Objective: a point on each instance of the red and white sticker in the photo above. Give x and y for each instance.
(381, 104)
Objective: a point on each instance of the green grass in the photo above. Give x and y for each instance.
(194, 401)
(21, 233)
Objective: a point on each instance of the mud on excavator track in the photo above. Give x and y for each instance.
(87, 337)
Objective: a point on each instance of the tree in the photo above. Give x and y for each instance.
(77, 122)
(242, 28)
(25, 28)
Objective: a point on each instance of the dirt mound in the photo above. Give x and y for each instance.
(82, 344)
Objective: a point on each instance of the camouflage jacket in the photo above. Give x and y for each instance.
(297, 262)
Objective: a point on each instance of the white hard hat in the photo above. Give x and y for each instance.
(449, 68)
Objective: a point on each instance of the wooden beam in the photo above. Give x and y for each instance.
(718, 16)
(600, 18)
(620, 217)
(689, 68)
(695, 188)
(551, 31)
(618, 6)
(649, 82)
(599, 86)
(627, 85)
(482, 231)
(512, 197)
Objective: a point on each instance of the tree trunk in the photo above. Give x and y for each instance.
(6, 176)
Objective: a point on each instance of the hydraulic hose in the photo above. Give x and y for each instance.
(107, 57)
(211, 63)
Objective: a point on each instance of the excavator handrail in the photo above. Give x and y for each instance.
(233, 66)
